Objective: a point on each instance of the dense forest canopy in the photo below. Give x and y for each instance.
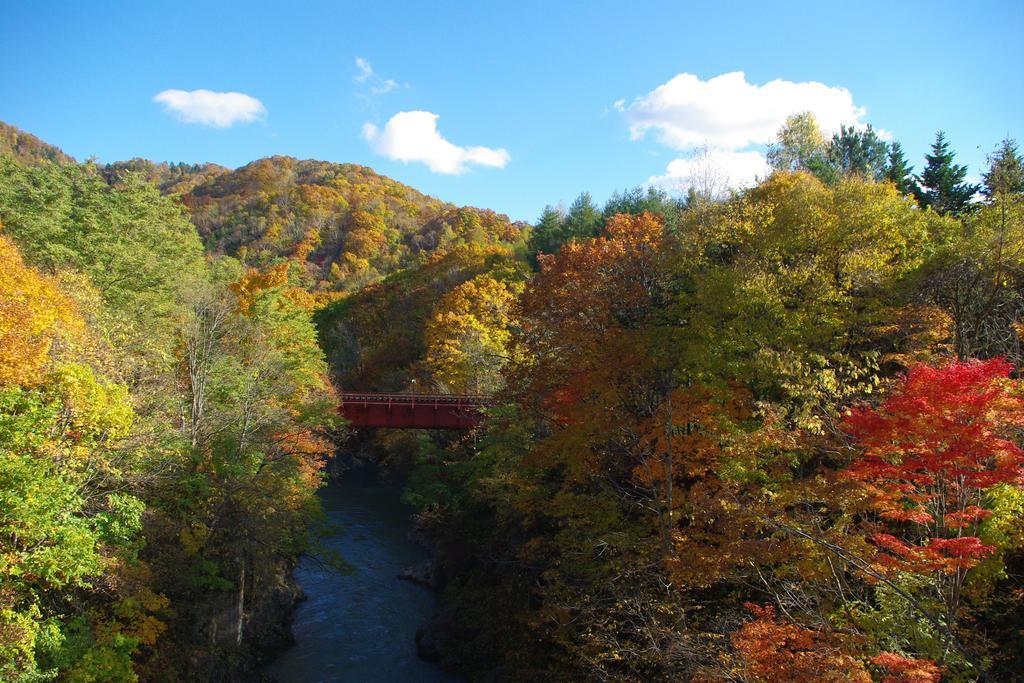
(347, 224)
(756, 435)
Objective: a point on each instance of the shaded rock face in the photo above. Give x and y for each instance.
(432, 638)
(269, 621)
(219, 654)
(425, 574)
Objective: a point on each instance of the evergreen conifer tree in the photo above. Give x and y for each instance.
(899, 172)
(942, 182)
(859, 152)
(583, 220)
(548, 234)
(1005, 172)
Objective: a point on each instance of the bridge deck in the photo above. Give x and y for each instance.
(412, 411)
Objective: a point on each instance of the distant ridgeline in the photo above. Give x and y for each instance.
(27, 148)
(349, 225)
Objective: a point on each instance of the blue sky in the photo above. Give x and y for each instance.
(509, 106)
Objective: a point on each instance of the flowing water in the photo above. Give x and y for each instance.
(360, 627)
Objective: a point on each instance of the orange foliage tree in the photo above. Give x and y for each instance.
(771, 650)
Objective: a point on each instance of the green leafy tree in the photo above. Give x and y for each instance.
(69, 533)
(256, 409)
(799, 144)
(161, 432)
(136, 246)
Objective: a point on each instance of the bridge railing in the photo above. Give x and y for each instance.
(415, 399)
(412, 411)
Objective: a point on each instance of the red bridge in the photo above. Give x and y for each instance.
(412, 411)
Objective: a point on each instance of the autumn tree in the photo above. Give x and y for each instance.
(931, 454)
(469, 333)
(256, 414)
(136, 247)
(34, 313)
(69, 527)
(161, 433)
(799, 144)
(586, 384)
(787, 281)
(772, 650)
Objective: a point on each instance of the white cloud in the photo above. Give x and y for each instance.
(413, 136)
(216, 109)
(385, 86)
(374, 82)
(728, 113)
(712, 171)
(365, 70)
(722, 125)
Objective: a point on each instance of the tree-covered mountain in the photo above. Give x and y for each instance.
(27, 148)
(170, 178)
(348, 224)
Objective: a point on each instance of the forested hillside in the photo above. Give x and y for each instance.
(349, 225)
(760, 435)
(164, 421)
(768, 436)
(167, 409)
(26, 147)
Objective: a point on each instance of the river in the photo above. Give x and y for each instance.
(360, 627)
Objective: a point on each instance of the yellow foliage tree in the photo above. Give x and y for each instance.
(256, 281)
(468, 335)
(33, 313)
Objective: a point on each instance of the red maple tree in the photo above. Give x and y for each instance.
(931, 454)
(931, 451)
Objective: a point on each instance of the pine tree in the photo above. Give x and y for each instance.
(859, 152)
(942, 182)
(637, 200)
(899, 172)
(548, 234)
(1005, 172)
(583, 220)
